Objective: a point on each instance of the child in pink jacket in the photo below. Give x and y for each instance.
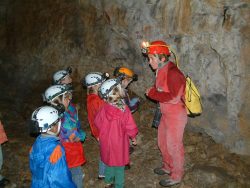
(116, 126)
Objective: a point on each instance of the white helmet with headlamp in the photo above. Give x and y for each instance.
(60, 75)
(45, 118)
(54, 91)
(108, 86)
(95, 78)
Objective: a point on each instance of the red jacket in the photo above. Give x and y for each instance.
(74, 152)
(169, 86)
(94, 104)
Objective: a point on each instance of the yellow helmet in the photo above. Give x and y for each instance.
(125, 72)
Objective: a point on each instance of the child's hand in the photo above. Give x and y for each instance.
(72, 137)
(78, 107)
(77, 139)
(134, 142)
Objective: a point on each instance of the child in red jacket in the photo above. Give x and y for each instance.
(94, 103)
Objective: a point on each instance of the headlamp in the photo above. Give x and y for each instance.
(69, 70)
(144, 47)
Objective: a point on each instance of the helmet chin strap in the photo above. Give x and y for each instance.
(58, 128)
(57, 132)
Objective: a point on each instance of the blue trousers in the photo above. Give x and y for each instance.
(77, 176)
(101, 168)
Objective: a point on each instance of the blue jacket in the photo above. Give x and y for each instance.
(48, 164)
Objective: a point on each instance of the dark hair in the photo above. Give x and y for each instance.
(160, 56)
(58, 100)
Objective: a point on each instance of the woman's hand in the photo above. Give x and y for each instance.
(148, 90)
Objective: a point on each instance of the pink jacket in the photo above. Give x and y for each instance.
(115, 127)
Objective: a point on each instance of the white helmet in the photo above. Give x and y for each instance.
(95, 78)
(59, 75)
(54, 91)
(107, 87)
(45, 117)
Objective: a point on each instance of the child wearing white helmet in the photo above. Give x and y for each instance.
(71, 134)
(93, 81)
(47, 156)
(116, 126)
(63, 76)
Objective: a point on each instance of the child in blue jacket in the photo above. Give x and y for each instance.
(47, 156)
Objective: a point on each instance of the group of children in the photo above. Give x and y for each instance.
(57, 156)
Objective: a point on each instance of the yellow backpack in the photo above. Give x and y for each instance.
(192, 95)
(192, 99)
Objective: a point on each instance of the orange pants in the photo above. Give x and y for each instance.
(170, 134)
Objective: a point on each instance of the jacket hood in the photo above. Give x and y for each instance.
(43, 144)
(113, 112)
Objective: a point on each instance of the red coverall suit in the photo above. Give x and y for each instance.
(168, 90)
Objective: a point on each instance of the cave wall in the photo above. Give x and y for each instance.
(211, 38)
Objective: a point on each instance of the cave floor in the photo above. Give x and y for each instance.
(207, 164)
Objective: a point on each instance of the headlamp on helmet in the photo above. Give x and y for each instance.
(144, 47)
(95, 78)
(61, 74)
(123, 72)
(155, 47)
(44, 118)
(108, 86)
(54, 91)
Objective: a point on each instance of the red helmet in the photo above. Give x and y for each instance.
(158, 47)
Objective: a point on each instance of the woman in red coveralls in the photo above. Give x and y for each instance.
(169, 90)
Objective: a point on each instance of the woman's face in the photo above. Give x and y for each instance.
(153, 61)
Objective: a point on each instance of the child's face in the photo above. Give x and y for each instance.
(66, 80)
(66, 100)
(96, 87)
(126, 82)
(56, 129)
